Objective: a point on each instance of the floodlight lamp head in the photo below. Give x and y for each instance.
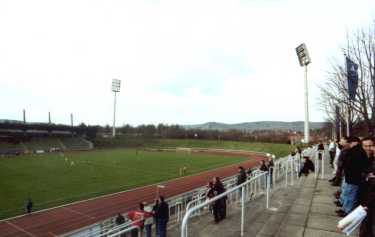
(116, 85)
(303, 55)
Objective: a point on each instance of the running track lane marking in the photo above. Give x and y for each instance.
(79, 213)
(20, 229)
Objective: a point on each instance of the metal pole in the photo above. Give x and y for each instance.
(242, 210)
(348, 121)
(114, 117)
(286, 174)
(307, 135)
(323, 157)
(24, 116)
(71, 120)
(292, 171)
(268, 190)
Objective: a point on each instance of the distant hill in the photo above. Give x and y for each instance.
(261, 125)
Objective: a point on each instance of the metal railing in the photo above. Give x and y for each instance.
(285, 169)
(234, 190)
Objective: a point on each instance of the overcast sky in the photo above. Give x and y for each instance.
(182, 62)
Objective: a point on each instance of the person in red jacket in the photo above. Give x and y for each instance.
(138, 218)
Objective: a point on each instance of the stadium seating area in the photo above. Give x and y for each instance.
(76, 143)
(11, 149)
(45, 144)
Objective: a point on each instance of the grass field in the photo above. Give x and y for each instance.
(53, 179)
(278, 149)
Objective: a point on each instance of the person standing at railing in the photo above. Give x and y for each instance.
(355, 165)
(332, 152)
(241, 178)
(138, 217)
(220, 205)
(210, 194)
(154, 210)
(148, 221)
(120, 219)
(162, 215)
(307, 166)
(368, 200)
(270, 169)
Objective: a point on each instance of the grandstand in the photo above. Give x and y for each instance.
(17, 138)
(76, 143)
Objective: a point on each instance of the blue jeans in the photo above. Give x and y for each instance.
(148, 230)
(350, 197)
(162, 227)
(342, 197)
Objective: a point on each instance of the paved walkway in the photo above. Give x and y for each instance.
(305, 209)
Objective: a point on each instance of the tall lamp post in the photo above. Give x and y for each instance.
(304, 60)
(116, 84)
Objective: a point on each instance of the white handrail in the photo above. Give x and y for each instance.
(126, 231)
(207, 202)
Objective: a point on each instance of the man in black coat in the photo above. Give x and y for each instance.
(162, 215)
(241, 177)
(355, 165)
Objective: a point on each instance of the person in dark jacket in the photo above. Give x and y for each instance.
(345, 146)
(241, 177)
(307, 166)
(263, 166)
(29, 206)
(155, 210)
(220, 205)
(162, 215)
(368, 193)
(355, 165)
(270, 166)
(320, 150)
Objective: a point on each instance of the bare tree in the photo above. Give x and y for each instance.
(361, 50)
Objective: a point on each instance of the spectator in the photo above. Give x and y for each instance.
(345, 146)
(249, 172)
(120, 219)
(29, 206)
(307, 166)
(270, 169)
(241, 178)
(368, 201)
(154, 211)
(148, 221)
(210, 190)
(355, 165)
(210, 194)
(263, 166)
(220, 205)
(162, 217)
(320, 150)
(332, 152)
(138, 217)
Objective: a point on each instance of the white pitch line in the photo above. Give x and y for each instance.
(20, 229)
(79, 213)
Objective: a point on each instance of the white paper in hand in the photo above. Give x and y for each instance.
(348, 224)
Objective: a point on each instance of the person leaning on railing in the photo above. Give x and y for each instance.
(138, 217)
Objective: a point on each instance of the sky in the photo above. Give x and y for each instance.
(179, 62)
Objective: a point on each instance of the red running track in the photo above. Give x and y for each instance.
(74, 216)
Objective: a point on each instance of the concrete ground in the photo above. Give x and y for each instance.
(305, 209)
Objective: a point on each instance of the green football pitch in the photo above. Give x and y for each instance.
(54, 179)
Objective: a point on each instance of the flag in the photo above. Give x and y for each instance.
(351, 70)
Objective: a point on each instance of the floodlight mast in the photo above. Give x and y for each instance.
(304, 60)
(116, 84)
